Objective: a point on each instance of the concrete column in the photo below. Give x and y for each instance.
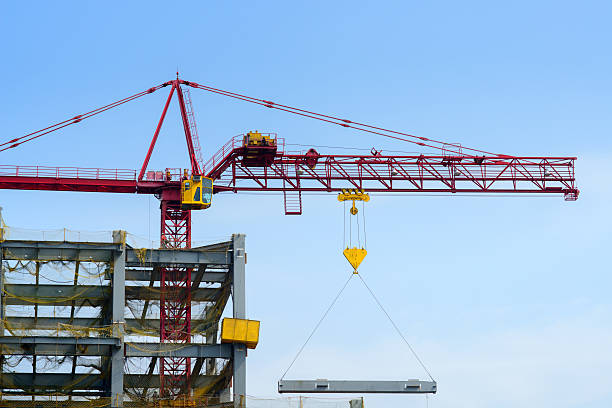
(239, 306)
(118, 302)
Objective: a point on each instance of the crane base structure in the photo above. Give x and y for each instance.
(98, 341)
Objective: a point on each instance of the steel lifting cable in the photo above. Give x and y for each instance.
(76, 119)
(412, 350)
(365, 236)
(350, 231)
(318, 324)
(395, 326)
(347, 123)
(358, 229)
(269, 104)
(344, 225)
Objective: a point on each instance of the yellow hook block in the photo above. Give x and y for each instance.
(355, 256)
(353, 195)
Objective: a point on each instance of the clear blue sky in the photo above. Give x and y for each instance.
(507, 300)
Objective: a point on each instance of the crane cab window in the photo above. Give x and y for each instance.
(207, 190)
(196, 193)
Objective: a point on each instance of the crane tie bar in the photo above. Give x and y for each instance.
(406, 137)
(75, 119)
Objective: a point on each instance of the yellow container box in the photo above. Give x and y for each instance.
(240, 331)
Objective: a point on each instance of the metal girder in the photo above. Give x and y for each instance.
(171, 257)
(455, 173)
(102, 252)
(143, 293)
(48, 323)
(51, 381)
(118, 301)
(239, 307)
(360, 387)
(178, 350)
(57, 404)
(144, 275)
(58, 295)
(57, 381)
(152, 381)
(63, 295)
(80, 404)
(58, 251)
(58, 346)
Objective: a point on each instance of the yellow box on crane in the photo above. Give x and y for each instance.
(196, 192)
(240, 331)
(258, 139)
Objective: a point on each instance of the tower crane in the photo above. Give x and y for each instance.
(258, 161)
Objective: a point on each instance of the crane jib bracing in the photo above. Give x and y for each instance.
(259, 162)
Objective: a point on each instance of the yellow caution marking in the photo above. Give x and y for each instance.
(355, 256)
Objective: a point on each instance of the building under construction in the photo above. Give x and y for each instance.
(81, 324)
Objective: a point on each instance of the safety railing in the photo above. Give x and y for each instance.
(67, 172)
(233, 143)
(228, 147)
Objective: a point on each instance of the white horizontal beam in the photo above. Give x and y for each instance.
(359, 387)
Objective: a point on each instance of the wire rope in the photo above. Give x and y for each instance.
(318, 324)
(344, 225)
(396, 327)
(365, 236)
(75, 119)
(350, 231)
(344, 122)
(358, 229)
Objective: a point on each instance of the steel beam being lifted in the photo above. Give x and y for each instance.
(361, 387)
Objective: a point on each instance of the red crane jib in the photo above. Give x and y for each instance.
(301, 172)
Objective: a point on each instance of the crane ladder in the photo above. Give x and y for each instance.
(195, 139)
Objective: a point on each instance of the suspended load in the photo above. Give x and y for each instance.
(355, 256)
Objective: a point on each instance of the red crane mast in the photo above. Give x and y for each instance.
(241, 166)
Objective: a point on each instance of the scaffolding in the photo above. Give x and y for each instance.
(80, 324)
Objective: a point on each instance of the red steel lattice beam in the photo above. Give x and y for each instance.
(378, 173)
(175, 301)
